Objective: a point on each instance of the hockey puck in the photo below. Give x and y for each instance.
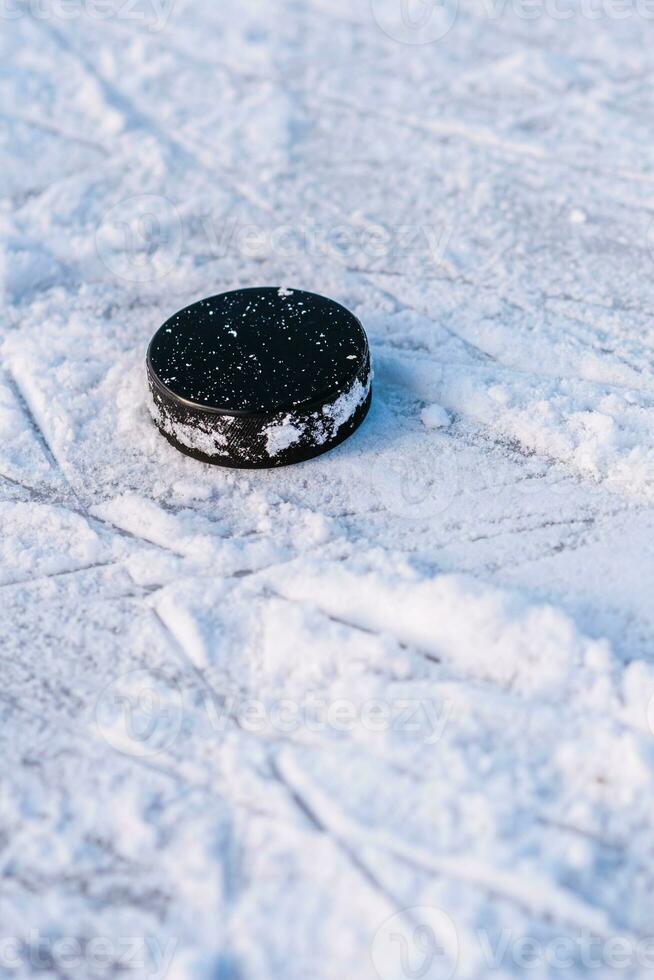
(259, 377)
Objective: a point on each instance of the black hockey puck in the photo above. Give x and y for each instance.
(259, 377)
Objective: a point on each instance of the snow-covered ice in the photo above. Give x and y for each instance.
(388, 713)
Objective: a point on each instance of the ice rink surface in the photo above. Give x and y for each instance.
(386, 714)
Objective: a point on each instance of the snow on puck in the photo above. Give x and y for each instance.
(259, 377)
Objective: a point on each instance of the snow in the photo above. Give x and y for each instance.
(280, 435)
(390, 711)
(324, 425)
(435, 417)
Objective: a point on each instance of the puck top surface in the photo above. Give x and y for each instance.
(258, 350)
